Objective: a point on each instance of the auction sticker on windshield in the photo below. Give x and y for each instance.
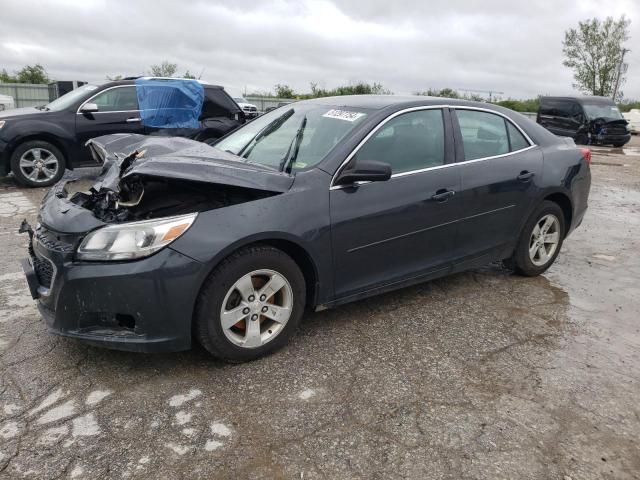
(343, 115)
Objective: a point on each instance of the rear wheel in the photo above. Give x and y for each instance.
(540, 241)
(37, 164)
(250, 305)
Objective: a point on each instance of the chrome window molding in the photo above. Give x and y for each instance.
(446, 165)
(78, 112)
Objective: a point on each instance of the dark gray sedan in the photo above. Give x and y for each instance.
(312, 205)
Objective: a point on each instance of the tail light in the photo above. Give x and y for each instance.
(586, 154)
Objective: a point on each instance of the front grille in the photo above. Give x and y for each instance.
(44, 270)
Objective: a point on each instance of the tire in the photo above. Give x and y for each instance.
(581, 139)
(522, 261)
(619, 145)
(38, 153)
(219, 296)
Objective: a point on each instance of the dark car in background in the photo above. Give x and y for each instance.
(588, 120)
(38, 143)
(312, 205)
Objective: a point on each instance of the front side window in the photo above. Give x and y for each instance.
(483, 134)
(117, 99)
(411, 141)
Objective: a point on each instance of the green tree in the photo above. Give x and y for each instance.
(32, 74)
(284, 91)
(188, 74)
(6, 77)
(165, 69)
(594, 52)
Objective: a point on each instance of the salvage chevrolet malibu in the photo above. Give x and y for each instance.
(312, 205)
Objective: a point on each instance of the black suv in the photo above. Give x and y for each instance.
(38, 143)
(588, 120)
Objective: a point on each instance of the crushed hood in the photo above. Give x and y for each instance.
(151, 177)
(128, 155)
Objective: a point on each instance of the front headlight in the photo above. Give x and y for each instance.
(1, 123)
(133, 240)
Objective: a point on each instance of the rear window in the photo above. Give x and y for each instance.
(218, 104)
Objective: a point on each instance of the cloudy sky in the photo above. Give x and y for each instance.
(501, 45)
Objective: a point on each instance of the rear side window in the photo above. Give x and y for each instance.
(483, 134)
(218, 104)
(411, 141)
(516, 139)
(117, 99)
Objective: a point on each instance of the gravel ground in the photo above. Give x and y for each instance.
(480, 375)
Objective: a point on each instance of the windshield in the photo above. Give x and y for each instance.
(240, 100)
(68, 99)
(599, 110)
(292, 137)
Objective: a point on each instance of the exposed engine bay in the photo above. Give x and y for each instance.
(151, 177)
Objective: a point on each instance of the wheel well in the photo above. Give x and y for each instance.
(565, 204)
(44, 138)
(304, 261)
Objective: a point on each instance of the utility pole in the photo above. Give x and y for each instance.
(620, 68)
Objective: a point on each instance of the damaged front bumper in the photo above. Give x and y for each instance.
(144, 305)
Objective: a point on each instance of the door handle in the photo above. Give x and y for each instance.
(442, 195)
(525, 176)
(134, 119)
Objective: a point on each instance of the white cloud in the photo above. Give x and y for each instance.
(499, 45)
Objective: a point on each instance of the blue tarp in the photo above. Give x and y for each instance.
(170, 103)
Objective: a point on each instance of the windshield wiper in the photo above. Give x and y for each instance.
(267, 130)
(286, 164)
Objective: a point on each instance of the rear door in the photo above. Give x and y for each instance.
(386, 232)
(118, 112)
(500, 167)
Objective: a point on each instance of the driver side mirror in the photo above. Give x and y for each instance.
(365, 171)
(89, 108)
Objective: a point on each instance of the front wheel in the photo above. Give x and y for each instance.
(37, 164)
(540, 241)
(250, 305)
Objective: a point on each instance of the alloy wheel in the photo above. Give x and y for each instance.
(256, 308)
(544, 240)
(39, 165)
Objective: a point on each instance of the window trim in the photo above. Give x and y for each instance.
(446, 165)
(78, 112)
(373, 132)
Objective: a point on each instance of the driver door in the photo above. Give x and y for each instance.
(118, 112)
(389, 231)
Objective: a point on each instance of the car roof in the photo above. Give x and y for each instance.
(581, 99)
(132, 81)
(379, 102)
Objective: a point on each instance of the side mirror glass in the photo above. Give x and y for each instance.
(365, 171)
(89, 108)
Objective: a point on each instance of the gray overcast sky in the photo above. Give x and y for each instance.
(509, 46)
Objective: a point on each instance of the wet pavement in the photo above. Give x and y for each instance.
(480, 375)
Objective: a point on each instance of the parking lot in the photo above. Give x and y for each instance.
(480, 375)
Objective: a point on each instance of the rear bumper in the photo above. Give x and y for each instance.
(144, 305)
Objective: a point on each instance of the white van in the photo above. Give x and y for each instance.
(633, 117)
(6, 102)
